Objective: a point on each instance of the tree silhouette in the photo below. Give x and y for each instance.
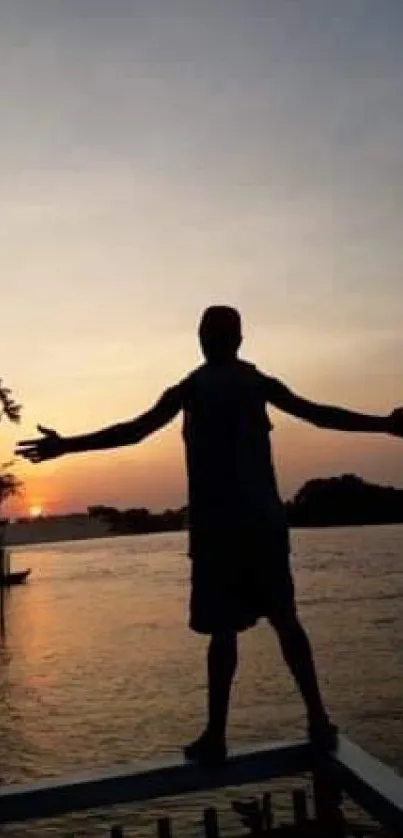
(9, 483)
(345, 500)
(8, 407)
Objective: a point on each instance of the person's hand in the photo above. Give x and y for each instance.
(395, 420)
(50, 445)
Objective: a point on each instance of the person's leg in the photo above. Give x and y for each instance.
(221, 667)
(222, 661)
(297, 653)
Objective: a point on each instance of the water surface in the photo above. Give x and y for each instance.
(98, 665)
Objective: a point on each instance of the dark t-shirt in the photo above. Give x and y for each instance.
(233, 495)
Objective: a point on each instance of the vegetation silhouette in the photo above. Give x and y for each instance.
(140, 521)
(9, 409)
(9, 485)
(343, 500)
(346, 500)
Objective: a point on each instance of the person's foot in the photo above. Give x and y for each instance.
(323, 733)
(206, 751)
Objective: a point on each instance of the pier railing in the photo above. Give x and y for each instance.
(372, 785)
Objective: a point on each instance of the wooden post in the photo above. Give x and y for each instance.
(7, 562)
(327, 797)
(299, 806)
(164, 828)
(116, 831)
(2, 589)
(251, 814)
(211, 823)
(267, 812)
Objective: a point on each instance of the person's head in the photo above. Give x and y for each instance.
(220, 333)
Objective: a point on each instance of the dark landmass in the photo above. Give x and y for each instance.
(346, 500)
(53, 528)
(139, 521)
(336, 501)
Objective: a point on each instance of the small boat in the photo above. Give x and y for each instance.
(17, 577)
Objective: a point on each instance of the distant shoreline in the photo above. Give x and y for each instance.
(15, 542)
(342, 501)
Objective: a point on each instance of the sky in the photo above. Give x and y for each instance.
(158, 157)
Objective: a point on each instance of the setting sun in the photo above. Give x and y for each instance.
(35, 511)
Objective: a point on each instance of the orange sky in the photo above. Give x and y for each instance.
(156, 163)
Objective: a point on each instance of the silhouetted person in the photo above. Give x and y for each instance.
(239, 543)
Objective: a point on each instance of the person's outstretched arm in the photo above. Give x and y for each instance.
(52, 444)
(326, 416)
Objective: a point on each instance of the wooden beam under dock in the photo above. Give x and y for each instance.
(371, 784)
(141, 782)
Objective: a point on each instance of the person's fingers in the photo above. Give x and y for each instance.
(29, 449)
(25, 452)
(35, 456)
(27, 442)
(37, 450)
(28, 455)
(46, 431)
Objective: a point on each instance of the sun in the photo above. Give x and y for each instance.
(35, 511)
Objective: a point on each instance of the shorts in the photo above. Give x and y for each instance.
(231, 590)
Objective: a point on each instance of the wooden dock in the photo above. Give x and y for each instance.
(372, 785)
(148, 781)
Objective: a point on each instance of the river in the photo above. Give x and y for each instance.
(98, 666)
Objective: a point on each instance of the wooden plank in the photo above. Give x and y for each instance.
(370, 783)
(149, 781)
